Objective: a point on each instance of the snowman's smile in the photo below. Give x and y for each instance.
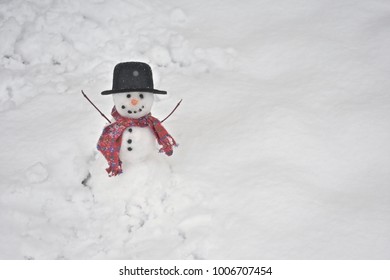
(133, 109)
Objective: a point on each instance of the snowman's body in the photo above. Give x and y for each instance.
(138, 143)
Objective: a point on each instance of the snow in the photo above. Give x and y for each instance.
(283, 130)
(37, 173)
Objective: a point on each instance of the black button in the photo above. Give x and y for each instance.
(128, 96)
(123, 107)
(130, 130)
(135, 112)
(129, 149)
(130, 112)
(129, 141)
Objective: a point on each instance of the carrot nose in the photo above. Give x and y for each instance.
(134, 101)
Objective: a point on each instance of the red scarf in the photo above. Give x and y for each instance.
(110, 141)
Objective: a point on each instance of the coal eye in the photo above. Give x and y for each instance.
(128, 96)
(141, 96)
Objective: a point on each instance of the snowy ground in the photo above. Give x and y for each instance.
(284, 130)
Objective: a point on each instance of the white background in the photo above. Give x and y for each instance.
(281, 270)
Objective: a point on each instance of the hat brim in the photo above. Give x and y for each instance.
(151, 90)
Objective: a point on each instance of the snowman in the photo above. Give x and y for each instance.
(132, 136)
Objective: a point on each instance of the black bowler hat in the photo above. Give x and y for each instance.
(132, 76)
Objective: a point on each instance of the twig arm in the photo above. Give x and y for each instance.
(86, 97)
(174, 109)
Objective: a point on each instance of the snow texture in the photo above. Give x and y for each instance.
(284, 130)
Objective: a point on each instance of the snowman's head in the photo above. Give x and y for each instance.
(133, 104)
